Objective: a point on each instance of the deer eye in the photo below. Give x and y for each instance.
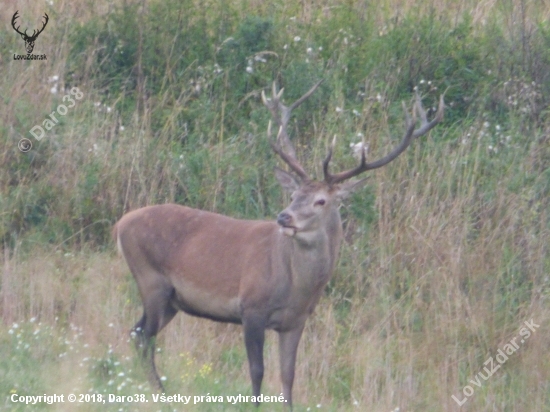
(319, 202)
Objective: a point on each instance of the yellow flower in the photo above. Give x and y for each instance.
(205, 370)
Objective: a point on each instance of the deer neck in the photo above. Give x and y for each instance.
(311, 258)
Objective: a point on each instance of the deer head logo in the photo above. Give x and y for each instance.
(29, 40)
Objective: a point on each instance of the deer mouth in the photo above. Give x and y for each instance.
(288, 230)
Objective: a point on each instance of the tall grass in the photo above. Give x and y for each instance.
(446, 251)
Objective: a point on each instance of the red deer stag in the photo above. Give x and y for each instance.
(261, 274)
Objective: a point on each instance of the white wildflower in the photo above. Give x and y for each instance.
(357, 149)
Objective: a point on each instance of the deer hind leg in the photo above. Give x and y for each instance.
(157, 312)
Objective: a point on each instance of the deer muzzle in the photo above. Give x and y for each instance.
(285, 220)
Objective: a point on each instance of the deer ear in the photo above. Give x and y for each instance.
(287, 181)
(347, 188)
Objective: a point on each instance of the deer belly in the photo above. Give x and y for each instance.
(207, 304)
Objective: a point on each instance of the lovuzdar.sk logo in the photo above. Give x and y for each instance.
(29, 40)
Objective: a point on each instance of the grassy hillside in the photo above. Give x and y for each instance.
(447, 248)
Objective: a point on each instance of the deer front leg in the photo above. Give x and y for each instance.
(254, 335)
(288, 346)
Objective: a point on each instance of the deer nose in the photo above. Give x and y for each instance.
(284, 219)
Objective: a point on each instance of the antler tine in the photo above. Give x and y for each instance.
(328, 157)
(306, 95)
(268, 129)
(13, 19)
(409, 135)
(274, 90)
(288, 159)
(47, 19)
(281, 115)
(426, 126)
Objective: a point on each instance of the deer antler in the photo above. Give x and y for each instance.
(15, 16)
(34, 36)
(34, 32)
(281, 115)
(409, 135)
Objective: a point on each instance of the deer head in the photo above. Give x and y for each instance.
(29, 40)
